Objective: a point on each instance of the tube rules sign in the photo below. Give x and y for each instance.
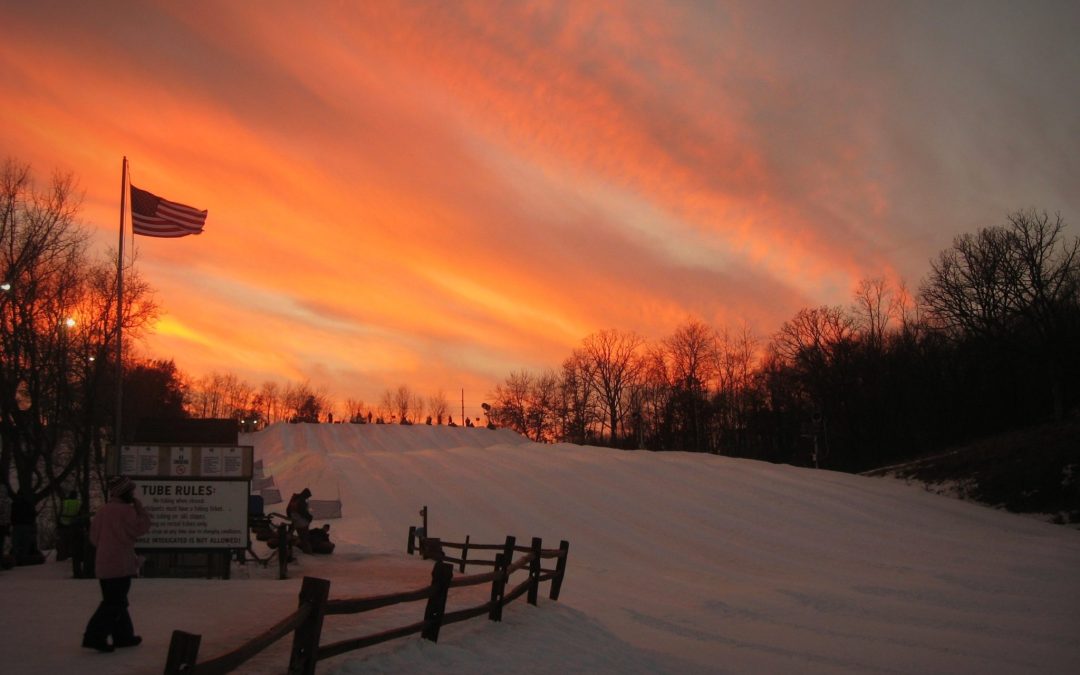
(194, 513)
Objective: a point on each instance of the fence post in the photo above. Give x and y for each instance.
(560, 570)
(534, 570)
(441, 574)
(498, 588)
(464, 553)
(284, 551)
(431, 549)
(305, 648)
(183, 652)
(410, 549)
(508, 549)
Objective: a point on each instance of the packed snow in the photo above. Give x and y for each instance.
(679, 563)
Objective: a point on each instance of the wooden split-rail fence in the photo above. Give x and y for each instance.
(305, 624)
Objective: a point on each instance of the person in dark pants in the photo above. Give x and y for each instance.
(65, 526)
(5, 525)
(113, 531)
(81, 567)
(24, 531)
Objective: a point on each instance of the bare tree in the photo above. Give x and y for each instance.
(511, 408)
(270, 401)
(577, 408)
(691, 353)
(972, 286)
(438, 406)
(238, 396)
(1018, 283)
(907, 310)
(653, 396)
(737, 370)
(1048, 267)
(386, 405)
(304, 404)
(403, 399)
(543, 404)
(614, 364)
(58, 316)
(874, 308)
(354, 410)
(401, 404)
(416, 406)
(813, 335)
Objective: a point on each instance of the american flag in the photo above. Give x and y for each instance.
(152, 216)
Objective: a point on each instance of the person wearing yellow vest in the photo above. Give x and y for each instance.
(69, 509)
(67, 534)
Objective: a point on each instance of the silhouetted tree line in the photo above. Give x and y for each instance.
(987, 344)
(990, 342)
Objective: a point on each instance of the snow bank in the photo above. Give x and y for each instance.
(678, 563)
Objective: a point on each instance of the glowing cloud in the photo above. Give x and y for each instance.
(438, 193)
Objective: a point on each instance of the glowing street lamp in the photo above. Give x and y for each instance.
(69, 322)
(6, 286)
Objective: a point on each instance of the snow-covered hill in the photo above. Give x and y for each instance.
(678, 563)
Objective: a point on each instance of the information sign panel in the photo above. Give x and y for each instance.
(194, 513)
(181, 461)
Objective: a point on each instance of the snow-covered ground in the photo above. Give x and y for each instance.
(679, 563)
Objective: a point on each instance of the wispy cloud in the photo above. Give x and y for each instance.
(437, 193)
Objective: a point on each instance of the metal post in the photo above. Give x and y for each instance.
(117, 437)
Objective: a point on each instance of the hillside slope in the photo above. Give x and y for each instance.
(718, 564)
(1034, 471)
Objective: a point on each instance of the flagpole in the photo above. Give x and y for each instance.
(120, 311)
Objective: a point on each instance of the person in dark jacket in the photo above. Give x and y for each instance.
(5, 524)
(24, 531)
(300, 515)
(113, 531)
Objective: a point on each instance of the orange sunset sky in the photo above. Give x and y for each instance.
(438, 193)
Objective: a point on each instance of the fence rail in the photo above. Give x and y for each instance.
(306, 622)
